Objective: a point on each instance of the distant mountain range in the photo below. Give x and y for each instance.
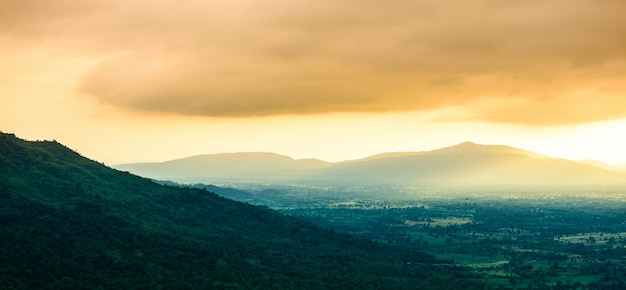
(465, 163)
(251, 166)
(68, 222)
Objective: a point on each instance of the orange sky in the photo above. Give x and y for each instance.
(124, 81)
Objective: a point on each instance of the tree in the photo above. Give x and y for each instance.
(591, 240)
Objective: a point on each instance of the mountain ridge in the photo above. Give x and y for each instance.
(468, 147)
(249, 165)
(464, 163)
(463, 147)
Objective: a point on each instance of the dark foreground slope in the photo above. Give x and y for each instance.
(70, 223)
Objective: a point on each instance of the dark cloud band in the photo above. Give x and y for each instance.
(532, 62)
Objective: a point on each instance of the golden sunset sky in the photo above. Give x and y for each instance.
(152, 80)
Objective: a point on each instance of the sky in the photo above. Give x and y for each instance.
(153, 80)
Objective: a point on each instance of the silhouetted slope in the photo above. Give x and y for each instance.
(67, 222)
(227, 192)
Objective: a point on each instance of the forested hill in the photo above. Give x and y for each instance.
(67, 222)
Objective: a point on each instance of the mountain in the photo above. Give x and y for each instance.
(465, 163)
(67, 222)
(227, 166)
(469, 163)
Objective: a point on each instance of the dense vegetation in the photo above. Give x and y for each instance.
(515, 238)
(67, 222)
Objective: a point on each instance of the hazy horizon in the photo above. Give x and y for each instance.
(616, 166)
(132, 81)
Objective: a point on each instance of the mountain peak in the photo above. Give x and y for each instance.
(471, 148)
(468, 145)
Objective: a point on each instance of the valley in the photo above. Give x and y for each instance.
(70, 222)
(562, 238)
(514, 218)
(313, 145)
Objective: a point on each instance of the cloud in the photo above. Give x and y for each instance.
(255, 58)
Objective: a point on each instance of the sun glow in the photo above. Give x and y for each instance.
(337, 81)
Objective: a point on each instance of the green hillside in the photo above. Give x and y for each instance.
(67, 222)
